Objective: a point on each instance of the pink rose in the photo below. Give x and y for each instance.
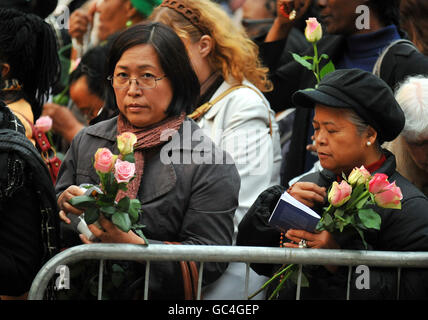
(359, 176)
(389, 197)
(124, 171)
(104, 160)
(313, 31)
(378, 183)
(44, 123)
(339, 193)
(125, 142)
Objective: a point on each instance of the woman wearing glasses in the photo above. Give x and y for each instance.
(231, 109)
(153, 91)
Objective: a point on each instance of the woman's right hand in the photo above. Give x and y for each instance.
(65, 206)
(78, 24)
(80, 19)
(283, 21)
(308, 193)
(285, 7)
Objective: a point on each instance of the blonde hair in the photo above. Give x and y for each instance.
(236, 55)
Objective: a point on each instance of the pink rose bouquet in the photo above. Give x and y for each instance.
(352, 204)
(115, 172)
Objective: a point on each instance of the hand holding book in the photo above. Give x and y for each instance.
(291, 213)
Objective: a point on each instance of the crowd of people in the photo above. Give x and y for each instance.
(220, 78)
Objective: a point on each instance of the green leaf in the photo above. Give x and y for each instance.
(134, 209)
(122, 221)
(302, 61)
(123, 204)
(83, 202)
(117, 275)
(329, 67)
(323, 56)
(141, 235)
(123, 186)
(360, 232)
(108, 211)
(370, 218)
(91, 215)
(339, 213)
(129, 157)
(304, 282)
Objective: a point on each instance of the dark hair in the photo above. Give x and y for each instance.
(42, 8)
(388, 12)
(413, 18)
(92, 67)
(173, 59)
(28, 45)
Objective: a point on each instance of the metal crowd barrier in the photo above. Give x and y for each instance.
(203, 253)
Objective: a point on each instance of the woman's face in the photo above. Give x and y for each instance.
(142, 107)
(340, 147)
(418, 150)
(87, 102)
(113, 17)
(339, 16)
(198, 52)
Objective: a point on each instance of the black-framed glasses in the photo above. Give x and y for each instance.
(146, 81)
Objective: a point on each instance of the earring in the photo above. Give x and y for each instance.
(129, 23)
(368, 143)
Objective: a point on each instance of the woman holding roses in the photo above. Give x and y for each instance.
(231, 109)
(153, 90)
(355, 112)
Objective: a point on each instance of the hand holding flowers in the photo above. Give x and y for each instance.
(351, 205)
(115, 172)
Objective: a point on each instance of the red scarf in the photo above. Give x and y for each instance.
(371, 167)
(147, 137)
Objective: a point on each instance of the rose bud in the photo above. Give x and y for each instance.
(313, 31)
(359, 176)
(44, 123)
(104, 160)
(125, 142)
(390, 197)
(378, 183)
(339, 193)
(124, 171)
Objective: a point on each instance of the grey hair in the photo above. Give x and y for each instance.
(412, 95)
(361, 125)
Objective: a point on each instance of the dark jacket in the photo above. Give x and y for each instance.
(400, 62)
(190, 203)
(28, 210)
(404, 230)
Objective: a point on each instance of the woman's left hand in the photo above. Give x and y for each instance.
(111, 233)
(321, 240)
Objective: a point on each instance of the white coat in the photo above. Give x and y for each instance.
(239, 124)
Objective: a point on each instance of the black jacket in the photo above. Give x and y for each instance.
(404, 230)
(28, 210)
(400, 62)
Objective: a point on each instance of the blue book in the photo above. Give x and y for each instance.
(290, 213)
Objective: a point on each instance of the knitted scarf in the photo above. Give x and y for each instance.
(147, 137)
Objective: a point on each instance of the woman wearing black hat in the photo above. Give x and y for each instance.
(354, 113)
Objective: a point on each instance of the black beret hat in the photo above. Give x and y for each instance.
(369, 96)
